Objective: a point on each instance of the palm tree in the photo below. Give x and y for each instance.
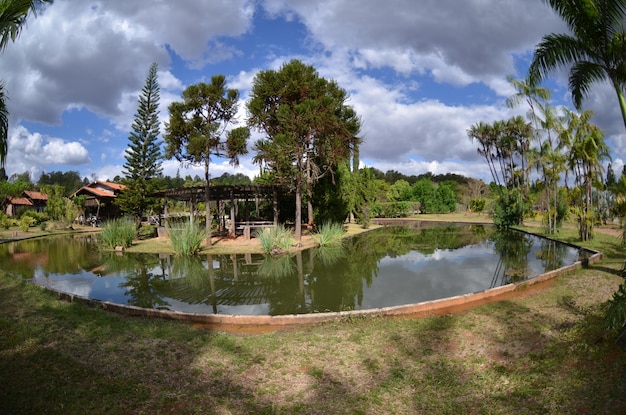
(13, 14)
(587, 151)
(596, 49)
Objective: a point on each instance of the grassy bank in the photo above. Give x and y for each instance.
(543, 354)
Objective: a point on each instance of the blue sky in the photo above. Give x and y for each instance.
(418, 73)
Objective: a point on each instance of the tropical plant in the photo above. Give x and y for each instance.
(593, 50)
(13, 15)
(143, 154)
(274, 239)
(117, 232)
(330, 233)
(505, 146)
(26, 222)
(615, 314)
(197, 126)
(586, 152)
(186, 237)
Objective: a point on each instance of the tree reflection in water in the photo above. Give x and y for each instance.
(426, 259)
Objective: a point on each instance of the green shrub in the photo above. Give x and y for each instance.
(186, 238)
(478, 205)
(118, 232)
(275, 237)
(5, 222)
(329, 234)
(146, 232)
(26, 222)
(616, 309)
(38, 218)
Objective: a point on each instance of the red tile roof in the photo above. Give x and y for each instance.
(32, 195)
(20, 201)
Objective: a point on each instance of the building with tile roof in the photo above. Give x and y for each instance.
(99, 198)
(28, 200)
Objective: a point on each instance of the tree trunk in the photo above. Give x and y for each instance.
(309, 193)
(298, 218)
(207, 201)
(622, 101)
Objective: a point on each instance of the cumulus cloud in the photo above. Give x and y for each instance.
(418, 73)
(34, 152)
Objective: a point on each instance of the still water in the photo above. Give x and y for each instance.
(390, 266)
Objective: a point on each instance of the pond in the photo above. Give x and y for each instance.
(394, 265)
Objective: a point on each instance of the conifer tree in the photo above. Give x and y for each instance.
(143, 156)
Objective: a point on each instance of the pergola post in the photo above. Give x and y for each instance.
(231, 231)
(275, 206)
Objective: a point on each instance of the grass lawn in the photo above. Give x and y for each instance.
(543, 354)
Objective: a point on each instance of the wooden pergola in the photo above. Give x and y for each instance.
(233, 194)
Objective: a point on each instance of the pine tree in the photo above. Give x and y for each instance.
(143, 157)
(611, 181)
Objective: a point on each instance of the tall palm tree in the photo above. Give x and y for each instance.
(525, 91)
(13, 14)
(595, 49)
(587, 151)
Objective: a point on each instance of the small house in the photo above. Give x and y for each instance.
(99, 198)
(28, 200)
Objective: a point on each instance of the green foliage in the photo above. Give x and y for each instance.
(70, 181)
(367, 196)
(26, 222)
(117, 232)
(5, 221)
(186, 238)
(195, 130)
(509, 208)
(309, 128)
(434, 199)
(16, 188)
(58, 207)
(227, 179)
(330, 206)
(398, 209)
(37, 217)
(330, 233)
(400, 191)
(478, 204)
(615, 315)
(146, 232)
(143, 156)
(274, 238)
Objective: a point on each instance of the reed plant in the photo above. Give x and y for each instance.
(330, 233)
(118, 232)
(274, 238)
(186, 237)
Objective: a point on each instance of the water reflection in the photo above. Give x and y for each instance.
(391, 266)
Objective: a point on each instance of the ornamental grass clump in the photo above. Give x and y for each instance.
(186, 238)
(275, 239)
(330, 233)
(118, 232)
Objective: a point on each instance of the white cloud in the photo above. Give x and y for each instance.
(34, 152)
(398, 60)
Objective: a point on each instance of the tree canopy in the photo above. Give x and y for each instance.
(309, 128)
(143, 156)
(13, 15)
(198, 129)
(594, 50)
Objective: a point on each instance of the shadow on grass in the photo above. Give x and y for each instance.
(505, 357)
